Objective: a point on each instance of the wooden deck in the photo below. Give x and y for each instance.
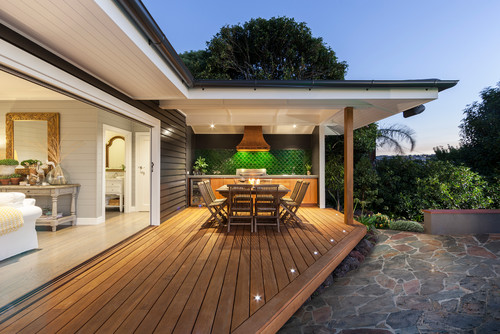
(184, 276)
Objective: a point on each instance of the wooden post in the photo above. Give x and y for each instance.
(348, 166)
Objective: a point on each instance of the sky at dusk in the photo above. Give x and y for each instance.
(386, 39)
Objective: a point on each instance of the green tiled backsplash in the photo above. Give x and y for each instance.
(277, 162)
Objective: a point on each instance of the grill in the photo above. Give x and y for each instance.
(251, 173)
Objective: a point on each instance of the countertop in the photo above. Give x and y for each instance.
(260, 177)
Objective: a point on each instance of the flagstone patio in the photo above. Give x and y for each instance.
(412, 283)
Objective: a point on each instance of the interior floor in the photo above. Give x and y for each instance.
(62, 250)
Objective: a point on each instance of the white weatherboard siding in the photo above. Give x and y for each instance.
(81, 147)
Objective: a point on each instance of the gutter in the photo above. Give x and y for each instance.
(143, 19)
(425, 83)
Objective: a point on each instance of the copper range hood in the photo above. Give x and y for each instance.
(253, 140)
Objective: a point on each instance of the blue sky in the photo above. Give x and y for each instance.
(385, 39)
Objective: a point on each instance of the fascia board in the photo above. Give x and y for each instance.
(316, 93)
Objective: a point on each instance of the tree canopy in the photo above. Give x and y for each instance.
(275, 49)
(480, 135)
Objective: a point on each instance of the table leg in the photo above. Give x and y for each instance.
(54, 213)
(73, 208)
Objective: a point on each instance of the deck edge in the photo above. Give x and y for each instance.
(297, 292)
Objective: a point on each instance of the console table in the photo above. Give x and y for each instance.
(53, 191)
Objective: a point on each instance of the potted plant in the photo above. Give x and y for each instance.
(308, 169)
(5, 180)
(32, 165)
(30, 162)
(200, 166)
(8, 166)
(15, 178)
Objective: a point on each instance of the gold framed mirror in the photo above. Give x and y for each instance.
(52, 120)
(108, 153)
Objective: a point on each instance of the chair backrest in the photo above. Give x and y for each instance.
(204, 192)
(210, 190)
(240, 196)
(267, 193)
(302, 193)
(295, 190)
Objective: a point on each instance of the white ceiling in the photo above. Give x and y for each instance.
(95, 36)
(294, 110)
(14, 88)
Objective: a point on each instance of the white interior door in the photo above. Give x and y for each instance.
(142, 171)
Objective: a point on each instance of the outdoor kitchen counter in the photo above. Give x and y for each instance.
(216, 181)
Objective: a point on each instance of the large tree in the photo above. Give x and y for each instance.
(276, 49)
(480, 135)
(480, 132)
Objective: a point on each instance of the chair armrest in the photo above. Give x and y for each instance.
(29, 202)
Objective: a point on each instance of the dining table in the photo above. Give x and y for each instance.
(224, 190)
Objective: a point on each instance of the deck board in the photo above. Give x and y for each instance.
(185, 276)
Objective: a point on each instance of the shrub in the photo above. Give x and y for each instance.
(406, 225)
(381, 221)
(368, 221)
(9, 162)
(14, 176)
(408, 187)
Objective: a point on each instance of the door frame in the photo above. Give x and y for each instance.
(35, 69)
(136, 135)
(127, 193)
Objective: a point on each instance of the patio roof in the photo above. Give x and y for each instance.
(297, 107)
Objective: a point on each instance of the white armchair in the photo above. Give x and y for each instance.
(24, 238)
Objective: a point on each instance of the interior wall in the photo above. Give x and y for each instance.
(81, 134)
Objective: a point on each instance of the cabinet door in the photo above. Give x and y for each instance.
(289, 183)
(217, 183)
(311, 197)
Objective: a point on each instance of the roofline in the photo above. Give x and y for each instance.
(143, 19)
(424, 83)
(145, 22)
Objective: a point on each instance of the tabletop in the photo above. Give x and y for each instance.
(224, 190)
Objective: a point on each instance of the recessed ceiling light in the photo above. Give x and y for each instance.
(343, 231)
(292, 270)
(212, 126)
(315, 253)
(294, 126)
(257, 298)
(332, 240)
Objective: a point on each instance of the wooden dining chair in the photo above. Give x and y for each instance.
(295, 191)
(290, 208)
(215, 207)
(240, 205)
(267, 206)
(211, 191)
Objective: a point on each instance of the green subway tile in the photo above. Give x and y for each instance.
(226, 161)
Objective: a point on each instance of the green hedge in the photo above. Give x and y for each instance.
(406, 225)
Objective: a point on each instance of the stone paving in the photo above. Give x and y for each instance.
(412, 283)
